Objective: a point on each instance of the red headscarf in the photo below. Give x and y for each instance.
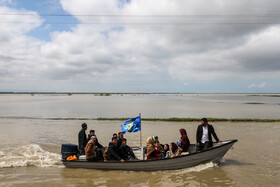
(184, 140)
(183, 132)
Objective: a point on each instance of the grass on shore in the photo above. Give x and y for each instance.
(197, 119)
(265, 95)
(151, 119)
(254, 103)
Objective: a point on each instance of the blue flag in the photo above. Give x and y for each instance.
(132, 125)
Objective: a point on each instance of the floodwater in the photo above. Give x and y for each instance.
(30, 141)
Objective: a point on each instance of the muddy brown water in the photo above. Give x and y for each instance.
(26, 155)
(30, 148)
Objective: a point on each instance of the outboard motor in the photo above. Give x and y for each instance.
(69, 150)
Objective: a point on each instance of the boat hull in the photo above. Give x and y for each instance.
(213, 154)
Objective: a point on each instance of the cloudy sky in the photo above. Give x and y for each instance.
(140, 45)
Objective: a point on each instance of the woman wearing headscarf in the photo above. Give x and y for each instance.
(185, 142)
(150, 146)
(174, 150)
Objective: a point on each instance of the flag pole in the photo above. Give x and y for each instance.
(140, 132)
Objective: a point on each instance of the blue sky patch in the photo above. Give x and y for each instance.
(51, 12)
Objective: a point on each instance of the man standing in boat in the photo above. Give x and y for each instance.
(204, 135)
(82, 139)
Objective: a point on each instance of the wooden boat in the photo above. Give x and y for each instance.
(214, 153)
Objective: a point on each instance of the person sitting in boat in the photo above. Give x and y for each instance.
(90, 149)
(126, 151)
(120, 139)
(150, 145)
(92, 133)
(185, 142)
(204, 135)
(158, 150)
(174, 150)
(165, 153)
(82, 139)
(113, 151)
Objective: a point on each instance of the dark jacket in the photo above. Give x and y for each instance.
(126, 151)
(97, 143)
(120, 142)
(82, 139)
(113, 152)
(211, 131)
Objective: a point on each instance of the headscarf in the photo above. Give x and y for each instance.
(154, 137)
(185, 142)
(183, 132)
(183, 135)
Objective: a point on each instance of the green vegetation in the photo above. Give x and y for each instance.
(254, 103)
(197, 119)
(151, 119)
(266, 95)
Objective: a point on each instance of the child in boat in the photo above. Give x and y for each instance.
(174, 150)
(166, 151)
(158, 150)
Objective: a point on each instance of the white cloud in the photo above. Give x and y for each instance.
(128, 52)
(19, 58)
(260, 85)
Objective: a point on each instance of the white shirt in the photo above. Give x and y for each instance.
(204, 134)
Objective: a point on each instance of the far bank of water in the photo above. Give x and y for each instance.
(89, 106)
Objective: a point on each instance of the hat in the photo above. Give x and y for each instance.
(93, 137)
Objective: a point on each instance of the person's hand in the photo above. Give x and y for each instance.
(122, 160)
(105, 147)
(197, 144)
(128, 156)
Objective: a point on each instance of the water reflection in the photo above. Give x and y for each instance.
(236, 162)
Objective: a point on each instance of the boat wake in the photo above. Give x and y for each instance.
(200, 167)
(29, 155)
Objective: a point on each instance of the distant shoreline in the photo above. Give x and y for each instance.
(197, 119)
(149, 119)
(132, 93)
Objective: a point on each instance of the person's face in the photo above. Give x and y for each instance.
(156, 139)
(94, 139)
(121, 135)
(92, 133)
(115, 135)
(115, 141)
(202, 122)
(85, 128)
(156, 144)
(165, 147)
(124, 142)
